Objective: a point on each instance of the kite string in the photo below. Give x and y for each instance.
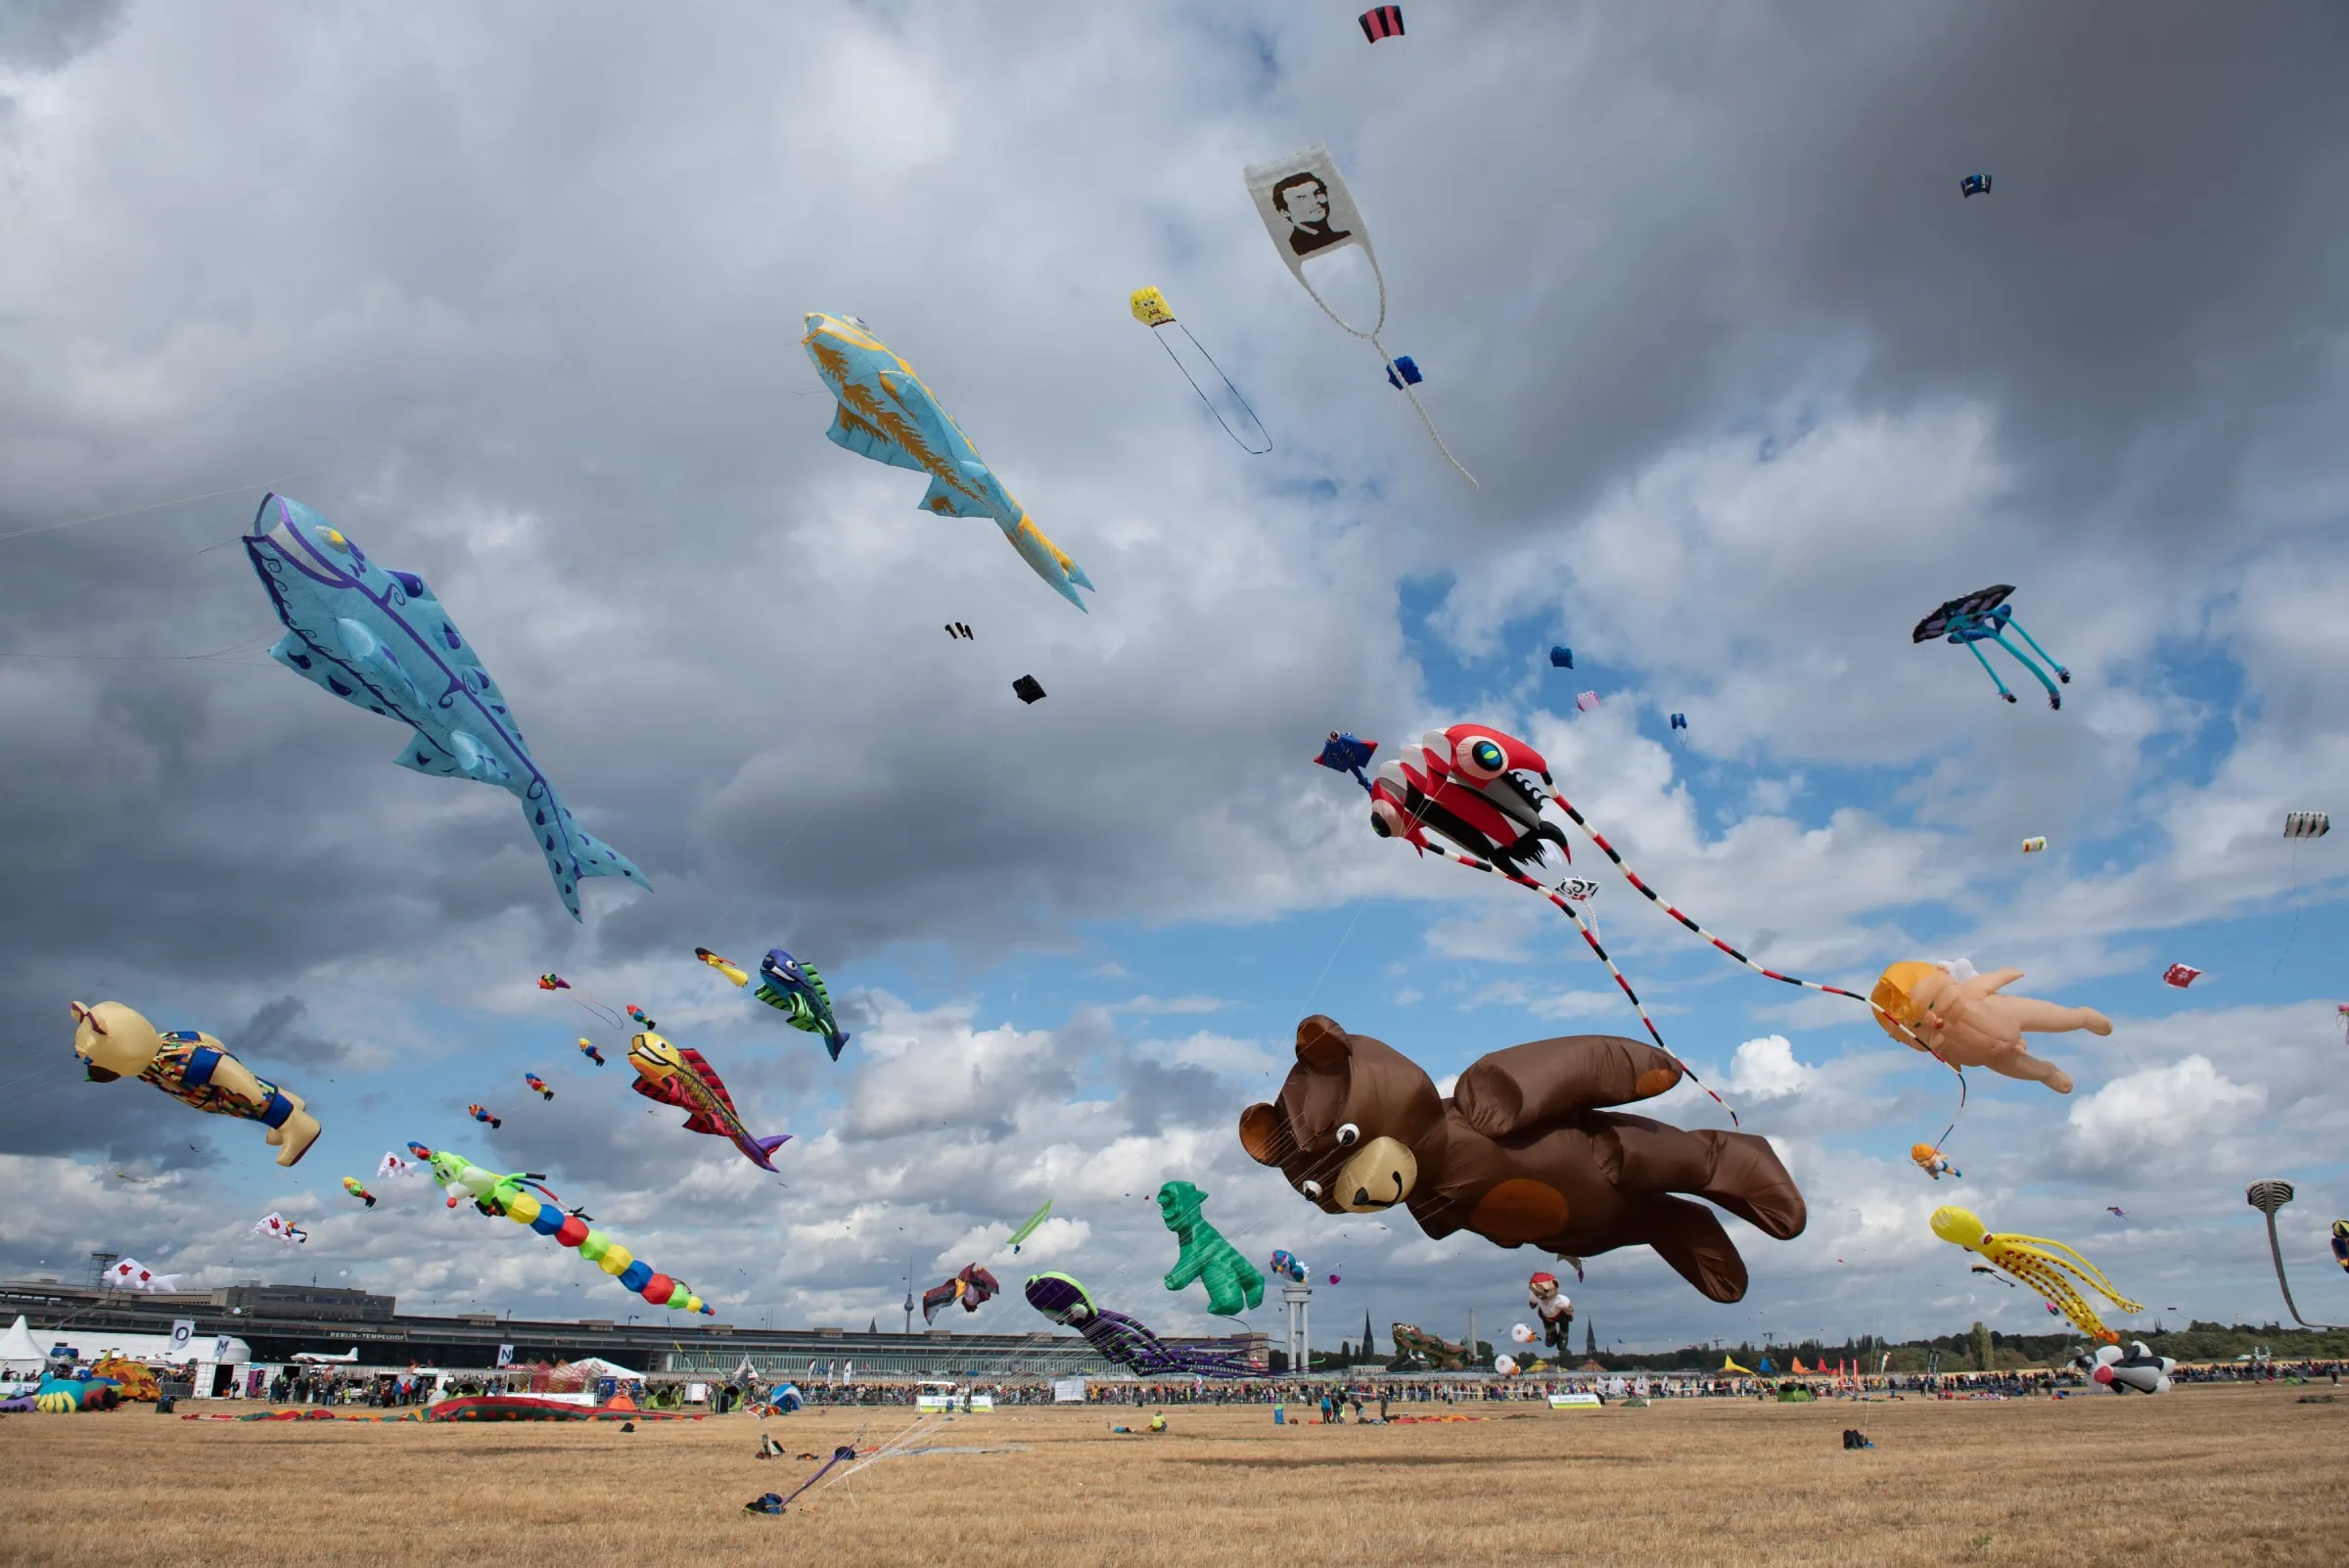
(1237, 396)
(1371, 337)
(1590, 936)
(1633, 877)
(152, 506)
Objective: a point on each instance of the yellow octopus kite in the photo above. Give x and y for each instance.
(2039, 1264)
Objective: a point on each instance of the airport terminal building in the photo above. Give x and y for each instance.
(279, 1323)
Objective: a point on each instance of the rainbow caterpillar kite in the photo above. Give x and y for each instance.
(492, 1193)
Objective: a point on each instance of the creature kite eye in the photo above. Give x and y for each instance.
(1311, 1189)
(1385, 821)
(1481, 758)
(1348, 1135)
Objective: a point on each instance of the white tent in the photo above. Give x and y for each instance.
(20, 1352)
(597, 1367)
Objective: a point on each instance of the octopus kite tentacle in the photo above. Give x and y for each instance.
(1590, 936)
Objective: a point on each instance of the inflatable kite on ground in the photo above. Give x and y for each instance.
(1983, 616)
(277, 1227)
(589, 1050)
(1151, 309)
(2306, 824)
(350, 1184)
(2181, 975)
(2039, 1264)
(538, 1085)
(480, 1115)
(682, 1078)
(379, 640)
(1554, 1307)
(1382, 21)
(1286, 1266)
(1027, 1227)
(1521, 1152)
(791, 988)
(1974, 185)
(1124, 1341)
(1417, 1346)
(1309, 214)
(974, 1287)
(117, 1041)
(1932, 1162)
(1959, 1016)
(2140, 1370)
(517, 1197)
(888, 415)
(1232, 1282)
(2268, 1197)
(128, 1274)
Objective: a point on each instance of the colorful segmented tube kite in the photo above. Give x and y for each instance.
(522, 1197)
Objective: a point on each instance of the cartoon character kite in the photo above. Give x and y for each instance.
(885, 413)
(538, 1085)
(350, 1184)
(116, 1041)
(480, 1115)
(379, 640)
(589, 1050)
(1151, 309)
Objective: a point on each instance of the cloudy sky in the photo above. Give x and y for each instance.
(513, 296)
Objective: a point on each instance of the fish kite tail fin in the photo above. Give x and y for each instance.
(836, 1043)
(767, 1146)
(1048, 560)
(572, 854)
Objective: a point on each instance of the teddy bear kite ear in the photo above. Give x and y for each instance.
(1320, 1042)
(1263, 1132)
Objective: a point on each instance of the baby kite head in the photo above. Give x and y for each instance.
(1894, 999)
(1960, 1226)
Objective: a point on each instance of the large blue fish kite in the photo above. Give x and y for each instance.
(888, 415)
(379, 640)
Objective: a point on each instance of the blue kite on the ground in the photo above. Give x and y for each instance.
(378, 639)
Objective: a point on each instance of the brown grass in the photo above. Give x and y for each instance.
(2200, 1476)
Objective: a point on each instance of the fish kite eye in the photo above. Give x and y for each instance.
(1348, 1135)
(1311, 1189)
(1385, 821)
(333, 538)
(1481, 758)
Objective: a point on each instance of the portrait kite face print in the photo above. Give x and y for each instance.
(1304, 199)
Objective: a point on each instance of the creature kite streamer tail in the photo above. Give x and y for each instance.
(1665, 905)
(1588, 936)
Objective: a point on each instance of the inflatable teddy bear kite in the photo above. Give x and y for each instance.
(117, 1041)
(1521, 1152)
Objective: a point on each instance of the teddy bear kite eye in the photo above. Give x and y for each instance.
(1348, 1135)
(1311, 1189)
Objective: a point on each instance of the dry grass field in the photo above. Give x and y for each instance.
(2202, 1476)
